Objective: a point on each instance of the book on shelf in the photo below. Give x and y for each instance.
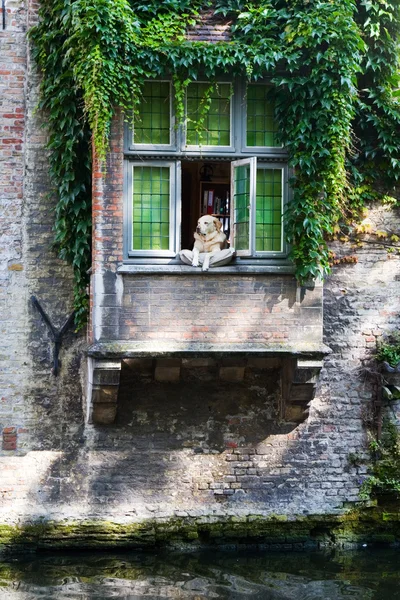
(210, 202)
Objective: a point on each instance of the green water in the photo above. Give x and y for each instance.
(360, 575)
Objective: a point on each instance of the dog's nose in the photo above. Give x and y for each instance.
(197, 229)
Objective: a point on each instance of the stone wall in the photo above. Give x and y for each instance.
(13, 306)
(35, 406)
(195, 448)
(225, 308)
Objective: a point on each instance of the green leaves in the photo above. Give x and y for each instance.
(334, 66)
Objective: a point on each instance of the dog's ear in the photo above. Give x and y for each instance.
(218, 224)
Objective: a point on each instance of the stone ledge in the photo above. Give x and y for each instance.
(180, 269)
(143, 349)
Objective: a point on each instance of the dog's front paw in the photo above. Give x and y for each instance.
(205, 267)
(195, 261)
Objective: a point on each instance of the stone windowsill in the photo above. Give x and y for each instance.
(180, 269)
(142, 349)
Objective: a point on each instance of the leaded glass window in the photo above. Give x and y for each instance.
(151, 208)
(268, 230)
(152, 123)
(216, 128)
(261, 127)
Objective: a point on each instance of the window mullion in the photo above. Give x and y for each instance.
(252, 202)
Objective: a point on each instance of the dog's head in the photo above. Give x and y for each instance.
(207, 224)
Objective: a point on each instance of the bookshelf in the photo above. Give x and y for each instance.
(215, 201)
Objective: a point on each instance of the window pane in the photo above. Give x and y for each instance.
(150, 208)
(241, 217)
(152, 123)
(269, 210)
(217, 120)
(261, 125)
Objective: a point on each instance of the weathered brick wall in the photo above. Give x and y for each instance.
(198, 446)
(13, 313)
(219, 308)
(35, 406)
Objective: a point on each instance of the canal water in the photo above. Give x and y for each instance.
(358, 575)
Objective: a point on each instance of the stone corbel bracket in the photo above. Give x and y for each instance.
(103, 385)
(299, 382)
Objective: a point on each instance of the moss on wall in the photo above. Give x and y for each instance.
(358, 526)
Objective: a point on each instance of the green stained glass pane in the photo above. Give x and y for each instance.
(146, 229)
(277, 176)
(224, 138)
(260, 139)
(260, 122)
(151, 214)
(259, 244)
(268, 210)
(164, 243)
(155, 214)
(153, 119)
(269, 138)
(156, 186)
(277, 203)
(241, 199)
(191, 138)
(164, 198)
(215, 130)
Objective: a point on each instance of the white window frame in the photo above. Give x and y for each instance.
(254, 167)
(174, 208)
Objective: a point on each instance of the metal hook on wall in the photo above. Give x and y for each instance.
(56, 334)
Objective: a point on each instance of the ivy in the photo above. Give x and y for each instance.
(384, 477)
(333, 66)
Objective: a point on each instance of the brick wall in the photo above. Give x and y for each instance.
(199, 445)
(13, 292)
(219, 308)
(34, 405)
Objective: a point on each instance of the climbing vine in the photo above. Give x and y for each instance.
(333, 66)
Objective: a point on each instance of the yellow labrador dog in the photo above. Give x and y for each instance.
(209, 238)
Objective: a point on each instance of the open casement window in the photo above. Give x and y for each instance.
(258, 197)
(153, 208)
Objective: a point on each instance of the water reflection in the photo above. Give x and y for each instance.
(367, 575)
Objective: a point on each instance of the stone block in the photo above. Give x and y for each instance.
(144, 365)
(105, 394)
(108, 376)
(104, 413)
(104, 379)
(231, 373)
(295, 413)
(203, 362)
(167, 370)
(302, 392)
(264, 363)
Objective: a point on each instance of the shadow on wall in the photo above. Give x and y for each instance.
(190, 444)
(200, 411)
